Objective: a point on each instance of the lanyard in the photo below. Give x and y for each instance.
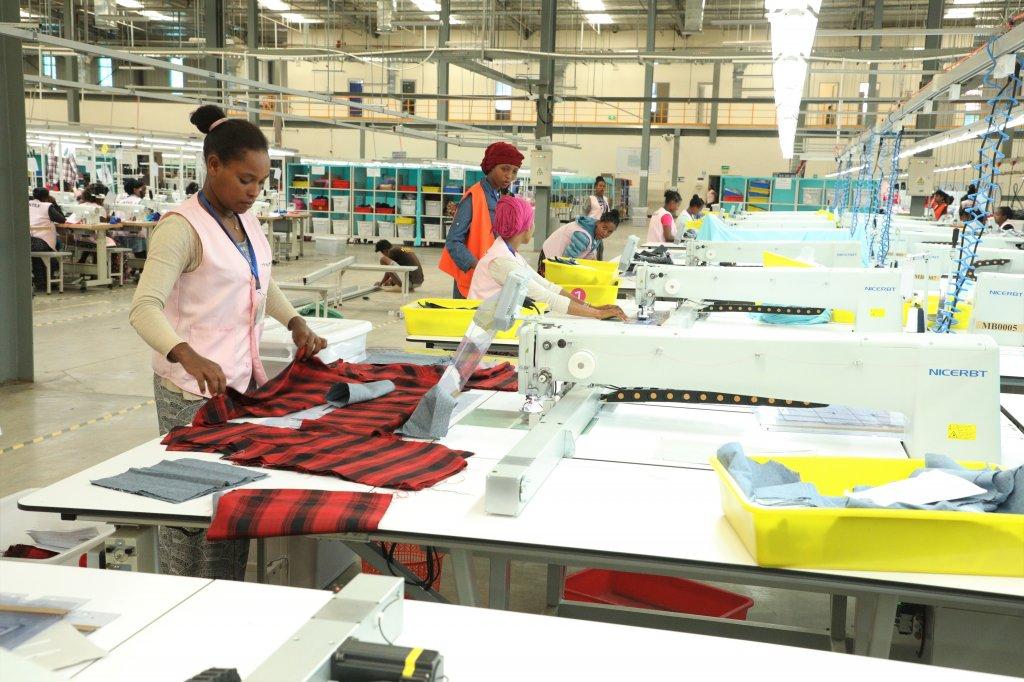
(253, 265)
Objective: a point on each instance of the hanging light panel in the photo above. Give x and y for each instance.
(793, 25)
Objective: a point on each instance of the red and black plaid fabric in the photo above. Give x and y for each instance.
(28, 552)
(383, 461)
(258, 513)
(304, 384)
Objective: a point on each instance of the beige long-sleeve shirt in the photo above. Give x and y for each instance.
(175, 248)
(538, 288)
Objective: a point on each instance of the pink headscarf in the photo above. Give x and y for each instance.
(512, 216)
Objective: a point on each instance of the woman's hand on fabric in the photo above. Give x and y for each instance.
(610, 312)
(306, 341)
(207, 373)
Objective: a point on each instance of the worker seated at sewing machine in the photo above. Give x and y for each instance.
(581, 238)
(513, 227)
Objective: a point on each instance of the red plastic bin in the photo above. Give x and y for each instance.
(662, 593)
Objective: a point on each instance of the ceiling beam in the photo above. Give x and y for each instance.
(495, 75)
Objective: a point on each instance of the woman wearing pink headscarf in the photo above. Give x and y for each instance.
(513, 227)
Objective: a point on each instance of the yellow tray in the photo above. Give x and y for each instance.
(453, 321)
(961, 320)
(901, 540)
(584, 272)
(594, 294)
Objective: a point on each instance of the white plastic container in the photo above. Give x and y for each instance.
(407, 207)
(346, 340)
(386, 229)
(17, 522)
(340, 226)
(364, 229)
(331, 245)
(433, 233)
(432, 207)
(339, 204)
(406, 232)
(321, 225)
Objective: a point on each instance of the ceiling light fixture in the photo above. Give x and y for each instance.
(129, 4)
(959, 13)
(295, 18)
(793, 25)
(593, 6)
(599, 19)
(153, 15)
(275, 5)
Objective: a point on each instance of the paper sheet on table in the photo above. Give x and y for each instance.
(59, 646)
(925, 488)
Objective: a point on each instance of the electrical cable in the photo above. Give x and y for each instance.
(989, 156)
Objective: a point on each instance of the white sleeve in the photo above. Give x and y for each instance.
(538, 288)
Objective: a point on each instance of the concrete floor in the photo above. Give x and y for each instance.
(92, 399)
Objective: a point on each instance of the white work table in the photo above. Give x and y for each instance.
(192, 625)
(653, 515)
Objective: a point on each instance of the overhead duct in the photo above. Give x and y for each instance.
(693, 20)
(386, 15)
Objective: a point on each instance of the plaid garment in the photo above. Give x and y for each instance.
(51, 166)
(70, 168)
(376, 460)
(28, 552)
(304, 384)
(257, 513)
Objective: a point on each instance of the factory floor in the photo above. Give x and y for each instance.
(92, 399)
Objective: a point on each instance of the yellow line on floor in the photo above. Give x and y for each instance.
(74, 427)
(50, 323)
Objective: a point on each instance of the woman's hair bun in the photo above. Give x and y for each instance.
(205, 116)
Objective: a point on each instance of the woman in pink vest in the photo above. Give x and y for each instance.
(513, 227)
(582, 238)
(662, 227)
(43, 217)
(598, 201)
(200, 306)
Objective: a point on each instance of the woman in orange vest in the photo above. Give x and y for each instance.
(470, 235)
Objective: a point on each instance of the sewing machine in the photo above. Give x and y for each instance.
(999, 308)
(131, 212)
(840, 254)
(349, 638)
(874, 294)
(946, 386)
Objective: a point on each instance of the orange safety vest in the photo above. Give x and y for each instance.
(478, 240)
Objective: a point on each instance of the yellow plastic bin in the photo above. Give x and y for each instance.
(452, 319)
(594, 294)
(902, 540)
(583, 272)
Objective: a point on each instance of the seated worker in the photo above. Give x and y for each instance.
(513, 227)
(95, 194)
(43, 217)
(135, 192)
(582, 238)
(662, 227)
(1002, 218)
(398, 255)
(940, 204)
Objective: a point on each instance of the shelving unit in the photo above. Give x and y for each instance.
(776, 194)
(403, 203)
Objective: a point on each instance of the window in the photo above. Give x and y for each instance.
(828, 91)
(176, 79)
(659, 110)
(355, 86)
(502, 107)
(105, 69)
(409, 104)
(863, 90)
(48, 67)
(703, 108)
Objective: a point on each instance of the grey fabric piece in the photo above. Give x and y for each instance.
(288, 421)
(180, 480)
(185, 551)
(773, 484)
(433, 414)
(342, 394)
(389, 357)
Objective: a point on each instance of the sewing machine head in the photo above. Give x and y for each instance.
(828, 254)
(999, 308)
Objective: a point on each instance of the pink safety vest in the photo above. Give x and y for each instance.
(217, 307)
(40, 224)
(654, 229)
(597, 207)
(558, 242)
(483, 285)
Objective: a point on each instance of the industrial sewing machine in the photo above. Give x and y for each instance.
(839, 254)
(946, 386)
(350, 639)
(999, 308)
(874, 294)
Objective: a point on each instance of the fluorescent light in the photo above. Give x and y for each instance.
(590, 5)
(599, 19)
(130, 4)
(275, 5)
(428, 6)
(959, 13)
(294, 18)
(793, 25)
(949, 169)
(153, 15)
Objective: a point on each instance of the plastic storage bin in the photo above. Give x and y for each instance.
(451, 320)
(406, 231)
(663, 593)
(407, 207)
(346, 340)
(433, 233)
(331, 245)
(385, 229)
(340, 226)
(904, 540)
(17, 523)
(594, 294)
(321, 225)
(340, 204)
(432, 207)
(584, 272)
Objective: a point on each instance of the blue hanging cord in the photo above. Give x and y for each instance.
(881, 238)
(989, 156)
